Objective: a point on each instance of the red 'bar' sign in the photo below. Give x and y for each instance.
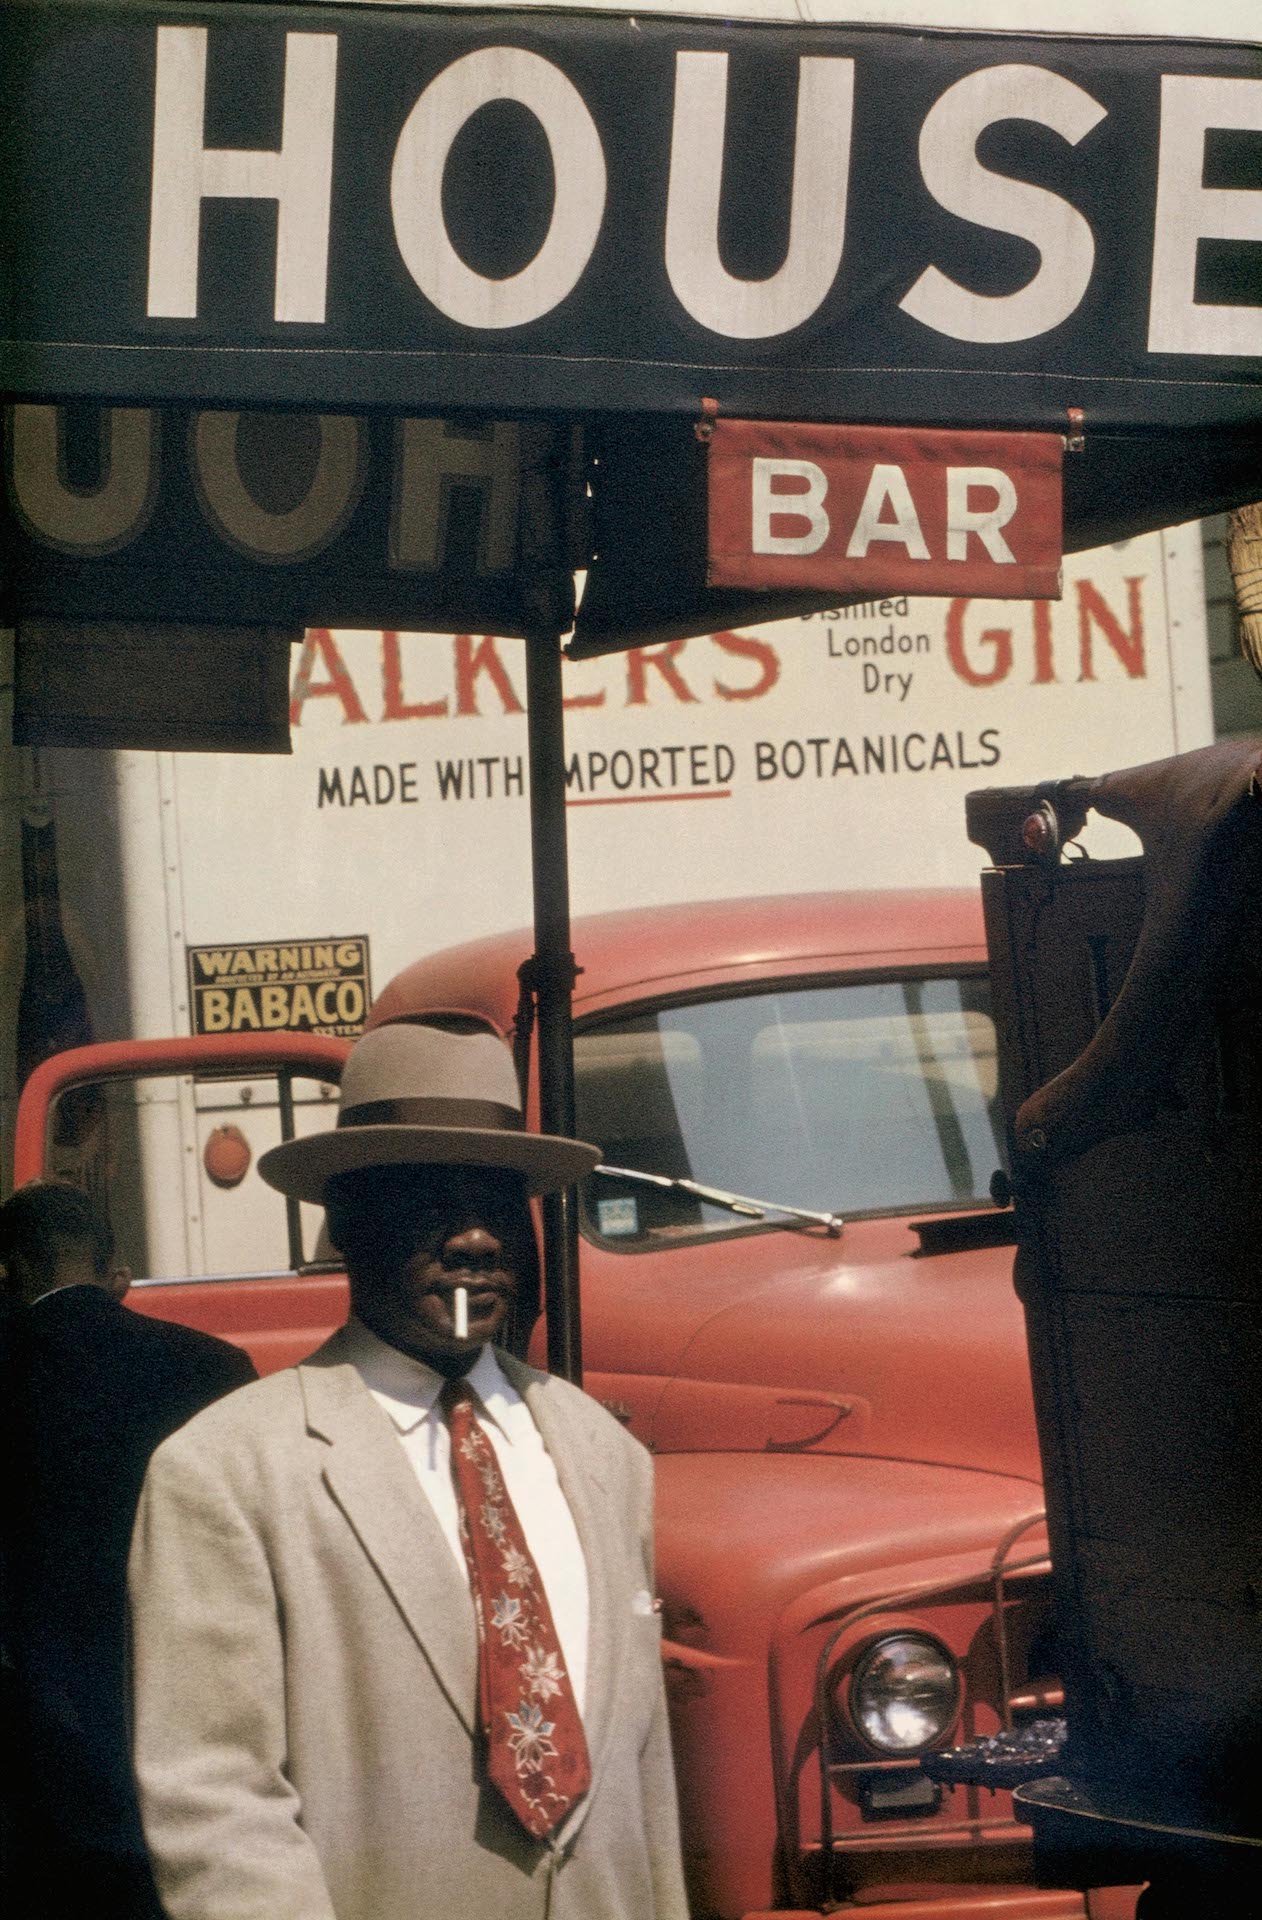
(878, 510)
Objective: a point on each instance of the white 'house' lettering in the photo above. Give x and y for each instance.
(298, 177)
(416, 188)
(185, 172)
(1188, 212)
(757, 309)
(959, 182)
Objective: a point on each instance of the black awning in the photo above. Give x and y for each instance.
(206, 208)
(801, 222)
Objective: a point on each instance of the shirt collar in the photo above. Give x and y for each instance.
(408, 1390)
(68, 1286)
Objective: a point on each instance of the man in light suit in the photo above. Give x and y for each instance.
(395, 1650)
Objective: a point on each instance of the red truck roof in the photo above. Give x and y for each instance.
(675, 949)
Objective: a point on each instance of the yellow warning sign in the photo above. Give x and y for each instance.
(293, 986)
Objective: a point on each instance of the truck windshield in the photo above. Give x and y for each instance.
(877, 1097)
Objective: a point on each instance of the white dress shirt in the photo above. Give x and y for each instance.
(407, 1390)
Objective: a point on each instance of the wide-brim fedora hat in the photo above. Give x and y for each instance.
(423, 1096)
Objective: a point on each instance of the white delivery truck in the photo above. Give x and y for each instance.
(169, 894)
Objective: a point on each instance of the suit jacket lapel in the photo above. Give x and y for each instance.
(368, 1475)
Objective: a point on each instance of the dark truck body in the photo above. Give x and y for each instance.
(1128, 998)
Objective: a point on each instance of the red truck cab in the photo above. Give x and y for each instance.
(850, 1549)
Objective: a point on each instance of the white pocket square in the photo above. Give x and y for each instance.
(643, 1602)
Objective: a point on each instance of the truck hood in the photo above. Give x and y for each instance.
(862, 1346)
(740, 1540)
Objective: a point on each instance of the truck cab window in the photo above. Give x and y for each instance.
(855, 1098)
(173, 1158)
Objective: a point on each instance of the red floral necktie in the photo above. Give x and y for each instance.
(535, 1745)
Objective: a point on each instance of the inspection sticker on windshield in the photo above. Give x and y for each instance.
(617, 1217)
(281, 986)
(884, 510)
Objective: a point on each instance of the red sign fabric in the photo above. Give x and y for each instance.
(881, 510)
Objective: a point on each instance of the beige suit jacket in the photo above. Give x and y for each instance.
(305, 1674)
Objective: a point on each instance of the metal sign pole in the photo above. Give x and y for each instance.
(552, 975)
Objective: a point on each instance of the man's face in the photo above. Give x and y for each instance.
(412, 1235)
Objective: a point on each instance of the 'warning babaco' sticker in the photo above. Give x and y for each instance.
(292, 986)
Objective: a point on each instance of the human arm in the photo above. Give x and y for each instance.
(208, 1699)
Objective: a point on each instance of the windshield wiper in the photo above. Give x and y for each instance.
(733, 1202)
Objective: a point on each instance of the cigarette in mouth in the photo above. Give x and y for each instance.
(460, 1301)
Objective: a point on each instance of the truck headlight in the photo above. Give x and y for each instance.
(904, 1693)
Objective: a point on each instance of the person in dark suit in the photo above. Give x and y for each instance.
(89, 1391)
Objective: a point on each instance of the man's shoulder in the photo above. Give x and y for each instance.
(589, 1420)
(187, 1346)
(561, 1393)
(64, 1316)
(240, 1425)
